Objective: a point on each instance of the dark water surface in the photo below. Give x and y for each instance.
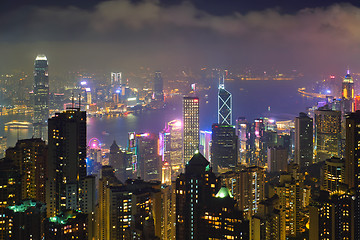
(251, 99)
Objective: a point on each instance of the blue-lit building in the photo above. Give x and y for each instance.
(224, 104)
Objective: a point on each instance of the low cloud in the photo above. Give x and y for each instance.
(147, 30)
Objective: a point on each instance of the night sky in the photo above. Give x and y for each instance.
(311, 36)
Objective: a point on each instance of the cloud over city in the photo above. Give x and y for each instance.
(148, 31)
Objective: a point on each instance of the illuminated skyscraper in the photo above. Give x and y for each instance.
(191, 127)
(303, 140)
(193, 189)
(348, 93)
(352, 161)
(334, 173)
(158, 86)
(248, 188)
(332, 217)
(66, 161)
(175, 142)
(327, 134)
(30, 156)
(289, 191)
(41, 96)
(148, 159)
(205, 144)
(116, 78)
(224, 104)
(224, 151)
(243, 132)
(107, 179)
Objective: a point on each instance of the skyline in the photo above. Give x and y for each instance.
(123, 35)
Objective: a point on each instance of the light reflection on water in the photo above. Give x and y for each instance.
(250, 99)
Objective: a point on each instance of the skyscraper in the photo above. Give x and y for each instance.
(66, 161)
(334, 173)
(224, 151)
(191, 127)
(148, 160)
(347, 93)
(327, 134)
(303, 140)
(158, 86)
(205, 144)
(224, 104)
(41, 96)
(193, 188)
(116, 79)
(30, 156)
(242, 131)
(175, 142)
(248, 188)
(277, 159)
(352, 161)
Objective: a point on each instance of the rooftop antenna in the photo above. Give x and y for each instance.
(348, 70)
(79, 102)
(221, 82)
(72, 100)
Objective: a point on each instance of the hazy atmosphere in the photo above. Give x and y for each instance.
(128, 34)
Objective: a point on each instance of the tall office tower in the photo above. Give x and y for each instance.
(167, 212)
(352, 161)
(107, 179)
(148, 159)
(347, 94)
(352, 151)
(147, 207)
(303, 140)
(175, 146)
(277, 159)
(327, 134)
(193, 189)
(333, 175)
(290, 200)
(248, 188)
(66, 161)
(30, 156)
(224, 104)
(117, 161)
(191, 127)
(164, 145)
(243, 131)
(357, 103)
(224, 150)
(133, 210)
(332, 217)
(257, 142)
(116, 79)
(89, 203)
(267, 223)
(10, 191)
(205, 144)
(166, 173)
(158, 86)
(41, 96)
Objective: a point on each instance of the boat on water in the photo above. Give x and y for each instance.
(18, 124)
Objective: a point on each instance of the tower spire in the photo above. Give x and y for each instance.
(221, 82)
